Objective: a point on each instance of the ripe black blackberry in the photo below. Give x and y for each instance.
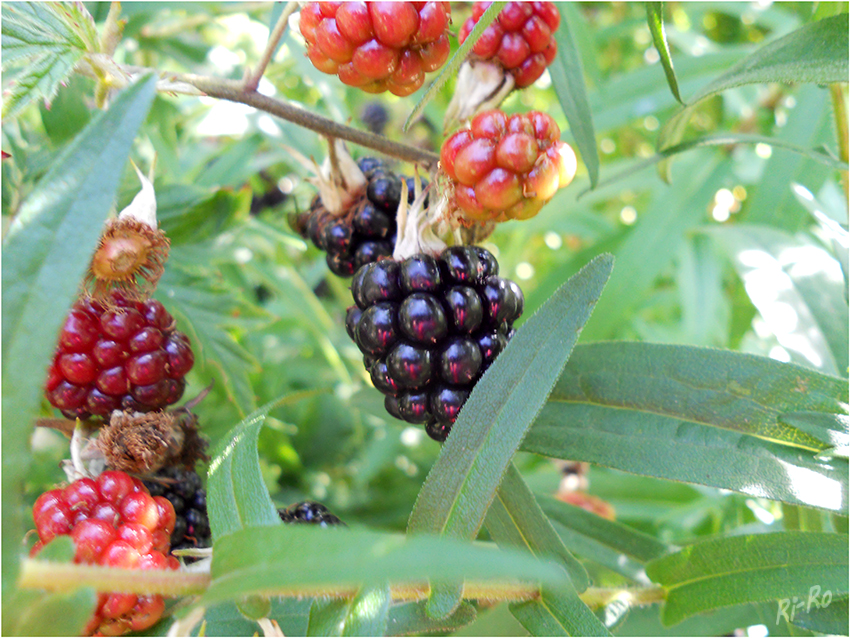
(429, 327)
(310, 513)
(184, 490)
(367, 231)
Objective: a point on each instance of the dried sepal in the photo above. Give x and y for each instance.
(482, 85)
(416, 226)
(132, 251)
(141, 443)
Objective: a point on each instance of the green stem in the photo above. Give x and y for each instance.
(252, 79)
(63, 577)
(839, 107)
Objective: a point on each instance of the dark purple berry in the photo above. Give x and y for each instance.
(377, 329)
(460, 362)
(465, 309)
(421, 319)
(420, 273)
(411, 366)
(446, 403)
(414, 407)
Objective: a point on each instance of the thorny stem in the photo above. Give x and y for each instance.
(252, 80)
(59, 577)
(839, 106)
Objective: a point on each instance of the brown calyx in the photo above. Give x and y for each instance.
(130, 258)
(144, 443)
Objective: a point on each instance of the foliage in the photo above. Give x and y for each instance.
(703, 375)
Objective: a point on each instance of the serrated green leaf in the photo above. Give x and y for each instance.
(451, 68)
(754, 568)
(463, 482)
(783, 273)
(655, 20)
(36, 613)
(515, 519)
(288, 558)
(51, 37)
(815, 53)
(410, 618)
(567, 76)
(697, 415)
(237, 496)
(616, 546)
(45, 254)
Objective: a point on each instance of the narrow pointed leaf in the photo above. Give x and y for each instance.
(554, 615)
(616, 546)
(832, 618)
(45, 255)
(721, 572)
(701, 416)
(451, 68)
(327, 616)
(655, 20)
(567, 76)
(815, 53)
(368, 613)
(410, 618)
(36, 613)
(515, 519)
(237, 496)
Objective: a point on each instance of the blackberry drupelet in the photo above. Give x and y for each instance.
(366, 232)
(309, 513)
(184, 490)
(431, 326)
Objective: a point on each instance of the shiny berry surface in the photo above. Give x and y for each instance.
(183, 492)
(521, 39)
(308, 513)
(506, 167)
(377, 46)
(102, 518)
(128, 356)
(430, 327)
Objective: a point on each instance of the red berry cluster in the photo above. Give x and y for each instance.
(377, 46)
(127, 356)
(506, 167)
(114, 522)
(520, 40)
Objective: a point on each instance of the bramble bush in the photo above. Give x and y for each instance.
(661, 447)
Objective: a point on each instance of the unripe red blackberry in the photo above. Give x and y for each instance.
(114, 522)
(309, 513)
(521, 40)
(377, 46)
(431, 326)
(367, 231)
(126, 356)
(183, 489)
(505, 167)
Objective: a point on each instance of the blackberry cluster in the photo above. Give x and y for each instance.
(429, 328)
(125, 356)
(365, 233)
(310, 513)
(184, 490)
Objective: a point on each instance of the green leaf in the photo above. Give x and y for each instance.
(815, 53)
(450, 70)
(515, 519)
(410, 618)
(226, 620)
(655, 20)
(722, 139)
(368, 613)
(45, 255)
(829, 616)
(792, 277)
(37, 613)
(754, 568)
(463, 482)
(237, 496)
(697, 415)
(50, 38)
(327, 616)
(567, 76)
(193, 213)
(616, 546)
(287, 558)
(205, 309)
